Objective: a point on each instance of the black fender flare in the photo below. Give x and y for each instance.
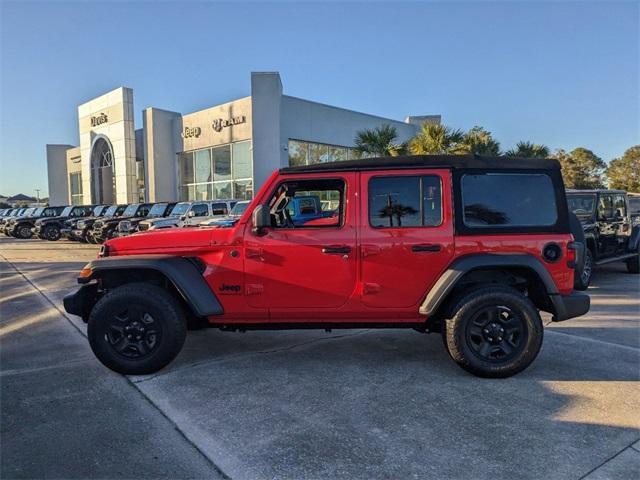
(448, 280)
(182, 272)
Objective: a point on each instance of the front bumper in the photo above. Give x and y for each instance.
(81, 302)
(570, 306)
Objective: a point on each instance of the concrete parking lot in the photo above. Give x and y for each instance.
(355, 404)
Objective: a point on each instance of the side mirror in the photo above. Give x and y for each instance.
(261, 219)
(191, 213)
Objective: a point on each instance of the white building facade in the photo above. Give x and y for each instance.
(226, 151)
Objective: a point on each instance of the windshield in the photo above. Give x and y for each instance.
(131, 210)
(157, 210)
(97, 210)
(37, 212)
(238, 209)
(28, 212)
(180, 208)
(66, 211)
(582, 205)
(111, 211)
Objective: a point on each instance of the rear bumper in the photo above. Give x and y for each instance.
(570, 306)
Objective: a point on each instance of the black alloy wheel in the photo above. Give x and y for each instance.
(496, 333)
(24, 231)
(136, 328)
(133, 332)
(52, 233)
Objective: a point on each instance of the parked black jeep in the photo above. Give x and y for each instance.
(610, 235)
(130, 225)
(49, 228)
(72, 231)
(20, 227)
(105, 228)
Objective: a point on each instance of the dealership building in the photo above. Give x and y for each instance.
(226, 151)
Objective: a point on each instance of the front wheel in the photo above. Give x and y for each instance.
(52, 233)
(24, 232)
(495, 332)
(136, 329)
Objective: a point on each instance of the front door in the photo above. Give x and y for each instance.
(304, 269)
(607, 226)
(406, 235)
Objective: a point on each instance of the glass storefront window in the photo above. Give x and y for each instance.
(298, 153)
(202, 166)
(222, 163)
(223, 172)
(242, 167)
(186, 167)
(337, 154)
(222, 190)
(75, 186)
(243, 190)
(309, 153)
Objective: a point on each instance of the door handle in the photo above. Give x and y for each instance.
(337, 250)
(426, 247)
(254, 253)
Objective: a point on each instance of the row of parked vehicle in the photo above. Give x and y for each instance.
(97, 223)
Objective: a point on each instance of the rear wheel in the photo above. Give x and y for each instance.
(24, 231)
(136, 329)
(583, 278)
(52, 233)
(495, 332)
(633, 264)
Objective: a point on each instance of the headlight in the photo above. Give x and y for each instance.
(81, 224)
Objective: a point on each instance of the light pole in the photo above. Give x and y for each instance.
(38, 194)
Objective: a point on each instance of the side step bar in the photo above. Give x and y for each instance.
(616, 259)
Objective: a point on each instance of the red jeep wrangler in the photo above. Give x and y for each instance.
(472, 247)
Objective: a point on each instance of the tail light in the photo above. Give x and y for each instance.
(572, 253)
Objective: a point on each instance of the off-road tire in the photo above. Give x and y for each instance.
(51, 233)
(583, 276)
(633, 263)
(24, 232)
(463, 313)
(133, 297)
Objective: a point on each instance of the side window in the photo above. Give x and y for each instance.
(219, 208)
(308, 204)
(605, 207)
(200, 210)
(405, 201)
(508, 200)
(619, 206)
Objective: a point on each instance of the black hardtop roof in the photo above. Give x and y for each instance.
(429, 161)
(595, 190)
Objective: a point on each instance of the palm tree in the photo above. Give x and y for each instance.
(528, 150)
(481, 142)
(379, 141)
(434, 139)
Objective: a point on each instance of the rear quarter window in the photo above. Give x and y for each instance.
(507, 200)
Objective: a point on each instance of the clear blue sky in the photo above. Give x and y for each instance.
(563, 74)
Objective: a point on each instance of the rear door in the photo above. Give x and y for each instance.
(406, 235)
(622, 223)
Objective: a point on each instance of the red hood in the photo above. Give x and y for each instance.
(171, 241)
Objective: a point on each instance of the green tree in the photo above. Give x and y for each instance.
(624, 173)
(528, 150)
(434, 139)
(581, 168)
(480, 141)
(379, 141)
